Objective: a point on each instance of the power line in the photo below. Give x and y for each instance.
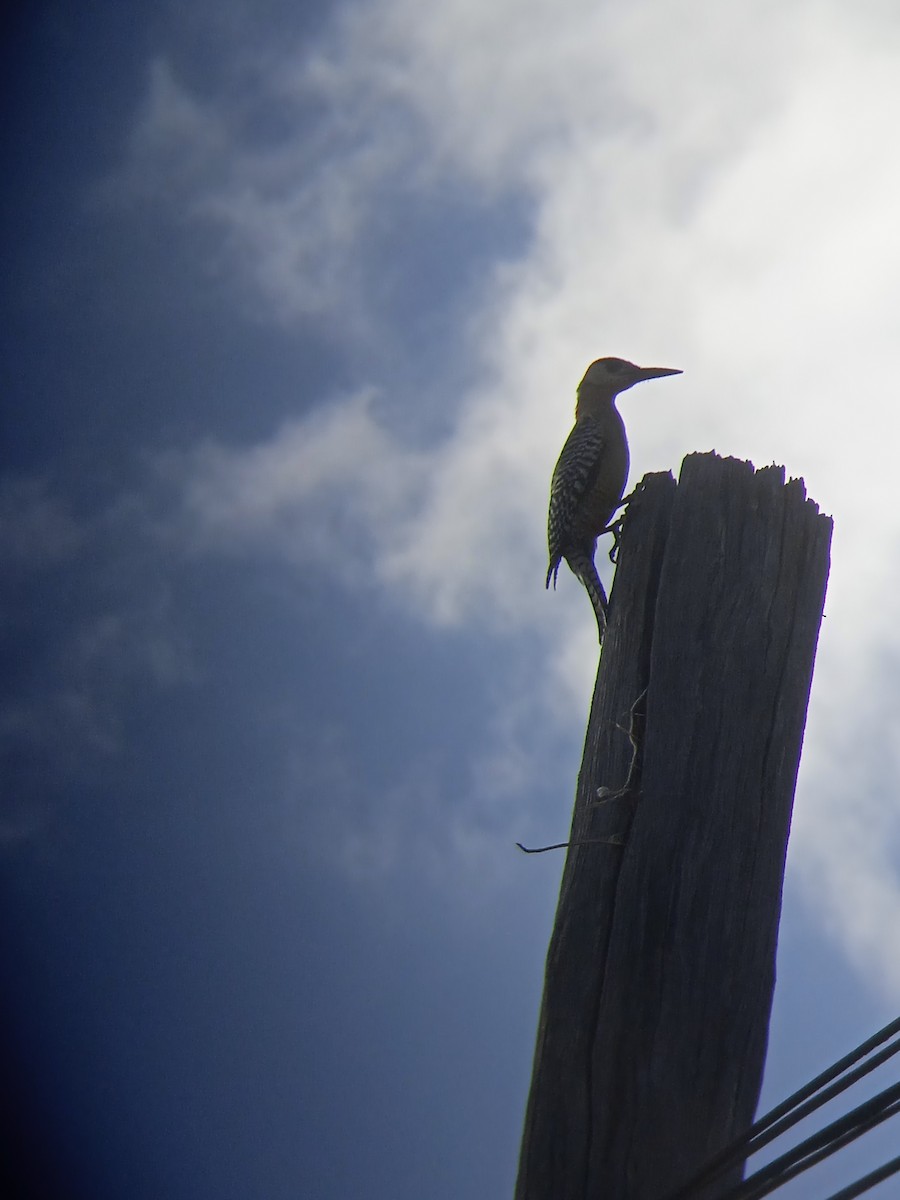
(819, 1146)
(852, 1190)
(797, 1106)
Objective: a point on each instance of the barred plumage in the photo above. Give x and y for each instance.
(589, 478)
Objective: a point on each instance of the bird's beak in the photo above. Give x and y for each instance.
(654, 373)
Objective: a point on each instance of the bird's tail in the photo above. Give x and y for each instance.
(582, 565)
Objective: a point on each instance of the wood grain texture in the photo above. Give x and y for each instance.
(660, 970)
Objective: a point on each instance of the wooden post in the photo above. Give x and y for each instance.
(661, 966)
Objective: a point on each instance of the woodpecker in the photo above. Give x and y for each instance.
(589, 477)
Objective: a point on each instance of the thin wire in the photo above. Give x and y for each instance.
(819, 1146)
(825, 1152)
(828, 1093)
(852, 1190)
(615, 840)
(790, 1111)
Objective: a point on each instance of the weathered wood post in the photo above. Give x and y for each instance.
(661, 965)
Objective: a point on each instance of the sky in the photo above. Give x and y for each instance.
(295, 300)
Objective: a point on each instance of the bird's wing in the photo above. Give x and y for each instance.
(574, 475)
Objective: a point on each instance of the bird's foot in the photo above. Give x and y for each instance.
(615, 527)
(616, 530)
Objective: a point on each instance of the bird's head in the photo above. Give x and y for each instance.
(614, 375)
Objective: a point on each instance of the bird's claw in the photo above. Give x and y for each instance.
(615, 527)
(616, 530)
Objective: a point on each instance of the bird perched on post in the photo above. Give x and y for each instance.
(589, 478)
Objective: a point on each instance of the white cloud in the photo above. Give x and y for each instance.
(442, 530)
(459, 838)
(36, 530)
(108, 629)
(287, 216)
(333, 487)
(712, 187)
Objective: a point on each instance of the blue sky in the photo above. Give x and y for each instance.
(295, 306)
